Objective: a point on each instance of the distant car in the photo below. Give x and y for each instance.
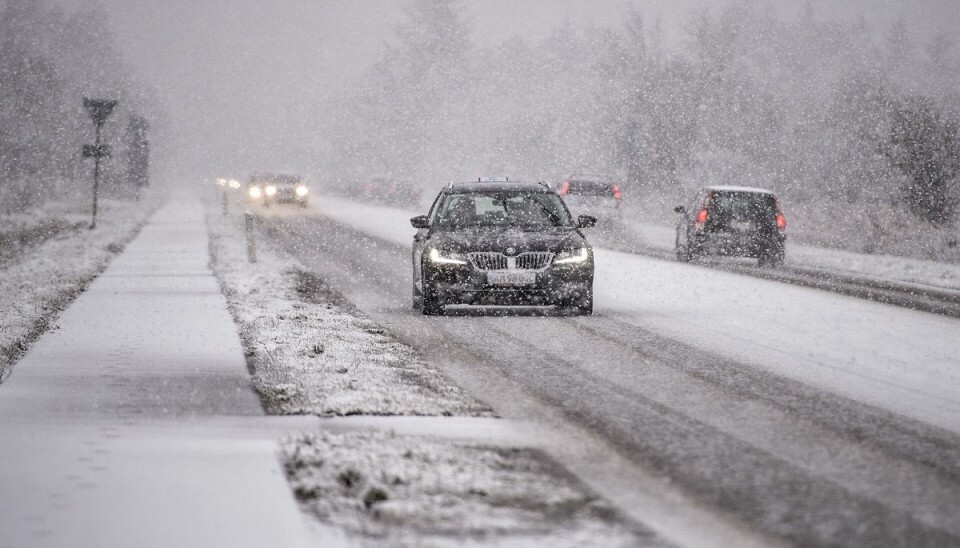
(501, 243)
(732, 221)
(391, 191)
(270, 188)
(595, 195)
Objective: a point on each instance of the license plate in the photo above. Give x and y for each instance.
(511, 278)
(741, 226)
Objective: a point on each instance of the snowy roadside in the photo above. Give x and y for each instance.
(313, 353)
(22, 231)
(49, 260)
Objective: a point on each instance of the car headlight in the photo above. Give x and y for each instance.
(255, 192)
(234, 183)
(573, 256)
(438, 257)
(271, 190)
(222, 182)
(302, 191)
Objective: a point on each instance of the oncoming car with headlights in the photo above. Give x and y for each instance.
(268, 188)
(501, 243)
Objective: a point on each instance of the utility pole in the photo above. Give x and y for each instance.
(99, 110)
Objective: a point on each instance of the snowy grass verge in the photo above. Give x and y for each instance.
(311, 351)
(389, 490)
(50, 258)
(22, 231)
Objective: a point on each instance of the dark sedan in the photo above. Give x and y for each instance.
(501, 243)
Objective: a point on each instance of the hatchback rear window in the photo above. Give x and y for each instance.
(590, 188)
(742, 205)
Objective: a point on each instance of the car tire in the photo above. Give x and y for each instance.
(683, 254)
(695, 252)
(431, 304)
(581, 306)
(417, 299)
(771, 258)
(585, 307)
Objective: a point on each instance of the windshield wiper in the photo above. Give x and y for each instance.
(554, 218)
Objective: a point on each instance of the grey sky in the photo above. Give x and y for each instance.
(243, 80)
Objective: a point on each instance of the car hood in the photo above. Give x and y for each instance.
(500, 240)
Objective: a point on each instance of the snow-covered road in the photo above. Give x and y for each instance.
(901, 360)
(811, 410)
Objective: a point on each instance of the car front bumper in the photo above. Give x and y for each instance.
(555, 285)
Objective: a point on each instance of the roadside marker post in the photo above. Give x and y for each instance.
(251, 242)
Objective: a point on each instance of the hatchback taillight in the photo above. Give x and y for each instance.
(616, 192)
(565, 188)
(781, 220)
(701, 216)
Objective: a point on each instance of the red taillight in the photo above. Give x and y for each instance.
(702, 216)
(781, 221)
(616, 192)
(565, 188)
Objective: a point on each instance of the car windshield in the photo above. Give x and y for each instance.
(503, 209)
(287, 180)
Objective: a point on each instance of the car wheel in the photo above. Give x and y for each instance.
(695, 252)
(771, 259)
(417, 298)
(581, 306)
(683, 254)
(585, 306)
(431, 304)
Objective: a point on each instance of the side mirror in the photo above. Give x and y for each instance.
(420, 221)
(586, 221)
(680, 209)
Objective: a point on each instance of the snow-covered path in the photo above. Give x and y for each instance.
(132, 423)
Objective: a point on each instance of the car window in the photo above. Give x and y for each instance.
(590, 188)
(742, 205)
(503, 209)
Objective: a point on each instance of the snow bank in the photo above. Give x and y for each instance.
(313, 353)
(410, 491)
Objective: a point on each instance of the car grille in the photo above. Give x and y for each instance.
(498, 261)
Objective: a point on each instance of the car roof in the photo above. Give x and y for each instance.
(498, 186)
(734, 188)
(592, 177)
(274, 175)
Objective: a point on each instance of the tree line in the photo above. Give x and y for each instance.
(817, 109)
